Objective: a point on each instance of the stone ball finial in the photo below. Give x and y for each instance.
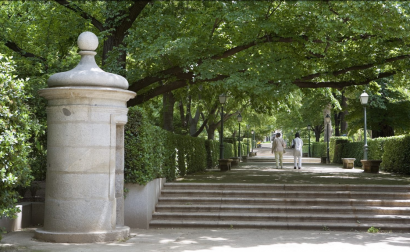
(87, 41)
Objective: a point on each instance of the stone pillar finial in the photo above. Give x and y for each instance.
(87, 41)
(87, 73)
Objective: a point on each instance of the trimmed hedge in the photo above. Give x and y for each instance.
(212, 150)
(353, 150)
(169, 155)
(335, 152)
(396, 156)
(318, 149)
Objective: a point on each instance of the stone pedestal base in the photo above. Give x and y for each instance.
(225, 164)
(119, 233)
(371, 166)
(235, 161)
(348, 163)
(245, 159)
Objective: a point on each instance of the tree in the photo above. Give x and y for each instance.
(388, 110)
(265, 46)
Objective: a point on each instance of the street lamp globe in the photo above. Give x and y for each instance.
(223, 98)
(308, 127)
(327, 119)
(239, 118)
(364, 98)
(252, 132)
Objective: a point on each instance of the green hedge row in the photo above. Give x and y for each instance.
(318, 149)
(396, 156)
(335, 151)
(391, 150)
(151, 152)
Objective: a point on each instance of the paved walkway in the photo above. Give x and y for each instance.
(224, 240)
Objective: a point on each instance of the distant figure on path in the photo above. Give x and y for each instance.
(278, 147)
(297, 145)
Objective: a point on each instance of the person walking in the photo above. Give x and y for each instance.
(297, 145)
(278, 146)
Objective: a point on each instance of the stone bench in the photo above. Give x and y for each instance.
(225, 164)
(348, 163)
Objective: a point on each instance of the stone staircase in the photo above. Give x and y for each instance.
(312, 207)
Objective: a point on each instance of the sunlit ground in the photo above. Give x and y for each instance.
(259, 172)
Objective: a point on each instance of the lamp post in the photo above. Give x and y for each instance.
(247, 139)
(309, 127)
(327, 119)
(364, 98)
(239, 145)
(253, 139)
(222, 100)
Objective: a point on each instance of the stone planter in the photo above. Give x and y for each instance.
(225, 164)
(244, 159)
(371, 166)
(235, 161)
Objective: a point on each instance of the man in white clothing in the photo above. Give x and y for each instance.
(297, 145)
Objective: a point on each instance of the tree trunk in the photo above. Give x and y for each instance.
(168, 101)
(211, 131)
(343, 122)
(317, 130)
(193, 122)
(337, 123)
(110, 43)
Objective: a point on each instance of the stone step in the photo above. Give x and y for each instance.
(344, 207)
(291, 187)
(283, 217)
(282, 202)
(287, 194)
(284, 209)
(278, 225)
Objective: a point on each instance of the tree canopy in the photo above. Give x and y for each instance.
(265, 47)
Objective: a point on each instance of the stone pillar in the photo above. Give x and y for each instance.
(86, 114)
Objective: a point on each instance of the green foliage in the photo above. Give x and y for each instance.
(229, 150)
(373, 230)
(151, 152)
(396, 156)
(318, 149)
(212, 149)
(15, 123)
(335, 149)
(353, 150)
(376, 147)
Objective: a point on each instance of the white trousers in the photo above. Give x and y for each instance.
(300, 161)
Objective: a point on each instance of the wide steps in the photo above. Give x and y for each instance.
(335, 207)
